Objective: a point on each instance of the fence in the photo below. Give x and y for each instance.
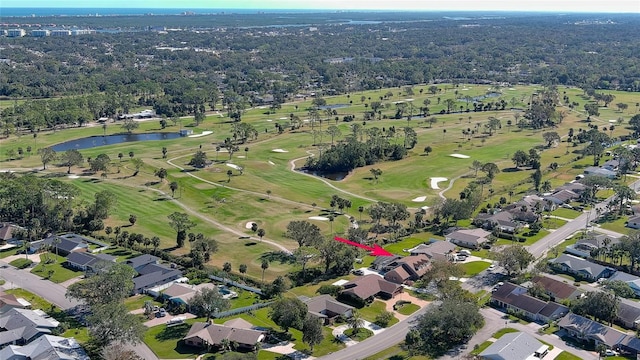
(236, 284)
(241, 310)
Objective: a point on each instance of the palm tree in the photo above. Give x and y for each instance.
(55, 243)
(173, 186)
(246, 152)
(229, 174)
(331, 218)
(226, 268)
(155, 241)
(243, 270)
(360, 210)
(355, 322)
(261, 233)
(264, 266)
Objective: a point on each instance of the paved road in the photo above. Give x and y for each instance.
(53, 293)
(377, 343)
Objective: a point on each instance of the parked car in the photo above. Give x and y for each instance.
(465, 252)
(610, 352)
(358, 272)
(491, 267)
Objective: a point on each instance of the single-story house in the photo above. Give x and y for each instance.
(634, 222)
(408, 268)
(515, 346)
(516, 298)
(587, 245)
(611, 164)
(10, 301)
(503, 220)
(556, 289)
(597, 171)
(575, 186)
(588, 330)
(628, 313)
(327, 308)
(473, 238)
(581, 267)
(435, 250)
(560, 197)
(382, 263)
(139, 262)
(20, 326)
(46, 347)
(632, 280)
(152, 275)
(64, 245)
(89, 262)
(180, 293)
(368, 286)
(237, 331)
(8, 233)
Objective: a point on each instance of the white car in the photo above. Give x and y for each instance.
(491, 267)
(610, 352)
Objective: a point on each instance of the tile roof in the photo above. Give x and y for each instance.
(213, 334)
(370, 285)
(320, 303)
(557, 288)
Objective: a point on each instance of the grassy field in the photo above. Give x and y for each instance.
(216, 202)
(52, 264)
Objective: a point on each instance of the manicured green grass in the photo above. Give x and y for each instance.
(51, 262)
(408, 309)
(567, 356)
(137, 302)
(617, 225)
(80, 334)
(362, 334)
(165, 342)
(498, 334)
(21, 263)
(370, 312)
(553, 223)
(566, 213)
(9, 252)
(474, 267)
(408, 243)
(36, 301)
(395, 352)
(481, 347)
(529, 239)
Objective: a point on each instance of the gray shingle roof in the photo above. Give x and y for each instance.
(581, 265)
(512, 346)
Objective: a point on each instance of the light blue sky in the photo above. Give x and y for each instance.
(506, 5)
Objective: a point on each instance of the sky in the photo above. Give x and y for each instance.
(426, 5)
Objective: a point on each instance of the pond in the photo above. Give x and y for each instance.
(335, 176)
(333, 106)
(95, 141)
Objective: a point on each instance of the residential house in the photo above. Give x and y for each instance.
(10, 301)
(8, 233)
(435, 250)
(634, 222)
(369, 286)
(515, 346)
(503, 221)
(47, 347)
(557, 290)
(560, 197)
(151, 273)
(408, 269)
(139, 262)
(20, 326)
(582, 268)
(597, 171)
(63, 245)
(472, 238)
(237, 331)
(611, 165)
(89, 262)
(589, 244)
(632, 280)
(515, 297)
(327, 308)
(525, 210)
(588, 330)
(382, 263)
(180, 293)
(628, 313)
(575, 186)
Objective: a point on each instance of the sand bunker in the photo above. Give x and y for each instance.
(464, 89)
(284, 118)
(241, 156)
(249, 225)
(425, 208)
(435, 181)
(234, 166)
(271, 162)
(459, 156)
(204, 133)
(419, 199)
(512, 88)
(73, 177)
(269, 120)
(279, 151)
(613, 121)
(321, 218)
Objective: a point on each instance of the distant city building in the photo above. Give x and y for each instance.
(40, 33)
(16, 33)
(60, 32)
(77, 32)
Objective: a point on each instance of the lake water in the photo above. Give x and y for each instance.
(334, 176)
(95, 141)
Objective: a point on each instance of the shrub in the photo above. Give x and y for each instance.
(383, 319)
(21, 263)
(332, 290)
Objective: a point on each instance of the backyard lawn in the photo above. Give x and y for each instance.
(474, 267)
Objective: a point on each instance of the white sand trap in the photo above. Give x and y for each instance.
(425, 208)
(279, 151)
(435, 181)
(419, 199)
(249, 224)
(204, 133)
(512, 88)
(409, 99)
(73, 177)
(269, 120)
(234, 166)
(284, 118)
(613, 121)
(459, 156)
(271, 162)
(223, 150)
(241, 156)
(464, 89)
(321, 218)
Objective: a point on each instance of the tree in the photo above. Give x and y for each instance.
(376, 173)
(164, 152)
(264, 266)
(226, 267)
(261, 233)
(537, 179)
(47, 155)
(199, 159)
(493, 125)
(592, 109)
(137, 165)
(71, 158)
(243, 269)
(208, 301)
(602, 305)
(476, 166)
(444, 326)
(129, 125)
(520, 158)
(155, 241)
(514, 258)
(312, 331)
(356, 321)
(289, 313)
(111, 322)
(550, 137)
(181, 224)
(622, 194)
(490, 169)
(440, 272)
(334, 132)
(104, 201)
(161, 174)
(133, 219)
(304, 233)
(100, 163)
(229, 175)
(427, 150)
(619, 288)
(173, 186)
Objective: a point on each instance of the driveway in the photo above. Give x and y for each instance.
(163, 320)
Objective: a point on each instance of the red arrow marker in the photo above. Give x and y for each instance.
(376, 250)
